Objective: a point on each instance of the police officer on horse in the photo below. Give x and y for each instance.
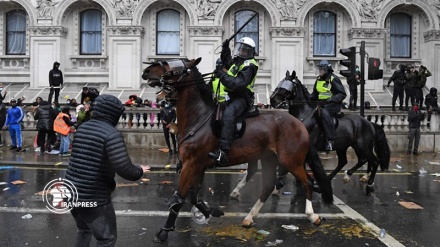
(329, 92)
(235, 91)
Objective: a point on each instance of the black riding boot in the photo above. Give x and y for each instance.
(221, 156)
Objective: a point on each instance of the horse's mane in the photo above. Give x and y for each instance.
(204, 88)
(304, 91)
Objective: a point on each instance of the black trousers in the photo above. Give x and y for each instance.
(57, 94)
(233, 109)
(41, 139)
(167, 134)
(353, 95)
(418, 96)
(398, 92)
(409, 93)
(327, 111)
(99, 222)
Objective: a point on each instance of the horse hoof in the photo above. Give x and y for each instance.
(369, 190)
(161, 236)
(217, 212)
(235, 194)
(363, 179)
(318, 221)
(275, 192)
(247, 223)
(346, 179)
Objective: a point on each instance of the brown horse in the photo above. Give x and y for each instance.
(276, 138)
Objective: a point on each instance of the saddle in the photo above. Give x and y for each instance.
(240, 125)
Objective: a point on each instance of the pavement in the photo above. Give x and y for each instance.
(353, 220)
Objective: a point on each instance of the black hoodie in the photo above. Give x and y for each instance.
(55, 76)
(98, 152)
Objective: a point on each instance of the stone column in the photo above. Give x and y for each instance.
(125, 60)
(287, 52)
(46, 43)
(205, 42)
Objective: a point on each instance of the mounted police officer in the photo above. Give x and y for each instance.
(329, 93)
(235, 91)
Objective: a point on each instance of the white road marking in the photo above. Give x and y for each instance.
(354, 215)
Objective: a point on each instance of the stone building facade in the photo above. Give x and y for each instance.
(106, 41)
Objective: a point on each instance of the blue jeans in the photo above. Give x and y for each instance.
(15, 132)
(65, 142)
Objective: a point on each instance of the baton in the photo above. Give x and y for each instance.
(239, 30)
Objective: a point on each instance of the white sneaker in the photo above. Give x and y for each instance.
(54, 152)
(38, 149)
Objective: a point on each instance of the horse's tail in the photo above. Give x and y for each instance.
(381, 147)
(320, 176)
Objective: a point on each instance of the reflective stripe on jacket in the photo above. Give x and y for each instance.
(324, 89)
(60, 126)
(220, 91)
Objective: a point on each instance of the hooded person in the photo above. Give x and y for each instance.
(431, 103)
(98, 153)
(55, 82)
(398, 78)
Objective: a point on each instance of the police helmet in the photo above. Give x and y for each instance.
(245, 48)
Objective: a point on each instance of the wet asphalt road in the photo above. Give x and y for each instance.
(354, 219)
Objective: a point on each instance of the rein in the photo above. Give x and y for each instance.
(183, 83)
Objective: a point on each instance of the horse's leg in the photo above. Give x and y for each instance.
(342, 161)
(252, 169)
(268, 173)
(361, 161)
(374, 162)
(280, 182)
(188, 180)
(296, 167)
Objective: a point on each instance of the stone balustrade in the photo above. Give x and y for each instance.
(141, 128)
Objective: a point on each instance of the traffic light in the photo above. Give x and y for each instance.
(374, 72)
(350, 62)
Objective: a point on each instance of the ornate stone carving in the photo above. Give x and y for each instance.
(368, 9)
(286, 31)
(431, 35)
(206, 31)
(287, 8)
(126, 30)
(44, 8)
(365, 33)
(206, 9)
(48, 31)
(125, 8)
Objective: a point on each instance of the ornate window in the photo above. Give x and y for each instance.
(251, 30)
(324, 34)
(91, 32)
(168, 32)
(400, 35)
(16, 32)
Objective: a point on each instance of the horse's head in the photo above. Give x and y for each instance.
(168, 74)
(285, 91)
(163, 73)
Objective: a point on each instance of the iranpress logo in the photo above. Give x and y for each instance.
(61, 196)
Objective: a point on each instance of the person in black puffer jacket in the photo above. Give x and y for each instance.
(45, 116)
(95, 159)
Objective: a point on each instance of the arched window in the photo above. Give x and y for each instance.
(168, 32)
(324, 34)
(251, 29)
(16, 32)
(400, 35)
(91, 32)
